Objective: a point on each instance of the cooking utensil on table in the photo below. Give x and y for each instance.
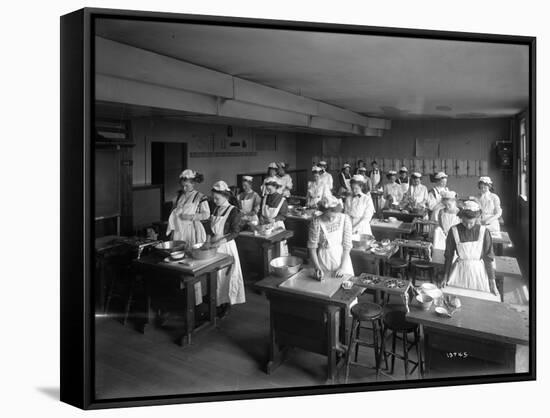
(286, 266)
(169, 247)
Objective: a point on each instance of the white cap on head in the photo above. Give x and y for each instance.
(392, 173)
(329, 201)
(221, 186)
(404, 169)
(486, 180)
(272, 165)
(188, 174)
(282, 164)
(346, 165)
(315, 169)
(362, 169)
(323, 163)
(358, 178)
(416, 174)
(471, 205)
(448, 194)
(248, 179)
(272, 180)
(441, 175)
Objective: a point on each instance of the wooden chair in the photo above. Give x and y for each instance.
(365, 313)
(422, 269)
(395, 322)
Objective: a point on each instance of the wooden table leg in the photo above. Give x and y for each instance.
(276, 354)
(332, 342)
(269, 253)
(212, 296)
(499, 281)
(189, 312)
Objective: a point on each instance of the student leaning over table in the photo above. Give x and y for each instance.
(189, 209)
(490, 204)
(224, 228)
(359, 207)
(273, 208)
(329, 240)
(469, 253)
(249, 201)
(316, 188)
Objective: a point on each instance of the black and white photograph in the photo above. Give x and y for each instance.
(282, 209)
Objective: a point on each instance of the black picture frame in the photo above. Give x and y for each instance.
(77, 116)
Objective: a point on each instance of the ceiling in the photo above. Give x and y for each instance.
(396, 78)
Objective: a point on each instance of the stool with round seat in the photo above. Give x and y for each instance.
(395, 322)
(365, 312)
(398, 267)
(422, 269)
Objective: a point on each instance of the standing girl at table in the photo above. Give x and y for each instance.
(446, 218)
(417, 194)
(434, 195)
(325, 175)
(329, 241)
(284, 177)
(344, 180)
(190, 208)
(469, 253)
(272, 170)
(359, 207)
(225, 226)
(249, 201)
(316, 188)
(273, 209)
(490, 205)
(393, 193)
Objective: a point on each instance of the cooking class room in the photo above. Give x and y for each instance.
(285, 209)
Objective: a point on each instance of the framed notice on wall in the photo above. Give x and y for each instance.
(426, 148)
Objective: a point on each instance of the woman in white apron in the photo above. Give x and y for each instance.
(326, 177)
(249, 201)
(273, 209)
(224, 225)
(446, 218)
(184, 223)
(392, 192)
(272, 170)
(469, 253)
(316, 188)
(490, 205)
(344, 180)
(367, 187)
(359, 207)
(285, 179)
(434, 195)
(417, 194)
(329, 241)
(403, 179)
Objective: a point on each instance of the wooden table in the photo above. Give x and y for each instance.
(257, 251)
(381, 287)
(312, 322)
(408, 217)
(504, 267)
(368, 262)
(482, 329)
(382, 229)
(501, 239)
(175, 282)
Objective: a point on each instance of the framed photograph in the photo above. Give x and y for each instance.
(225, 238)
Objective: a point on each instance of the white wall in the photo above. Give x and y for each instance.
(147, 130)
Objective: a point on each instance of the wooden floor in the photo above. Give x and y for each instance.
(230, 357)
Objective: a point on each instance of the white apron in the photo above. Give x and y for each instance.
(488, 209)
(230, 279)
(356, 209)
(269, 212)
(347, 184)
(446, 221)
(286, 183)
(468, 269)
(192, 232)
(315, 192)
(375, 178)
(247, 206)
(330, 250)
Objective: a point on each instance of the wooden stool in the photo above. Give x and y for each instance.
(370, 313)
(422, 269)
(398, 267)
(395, 321)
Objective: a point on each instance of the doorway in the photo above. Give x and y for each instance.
(168, 160)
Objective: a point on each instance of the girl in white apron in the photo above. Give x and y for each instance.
(329, 240)
(359, 207)
(285, 179)
(468, 269)
(316, 189)
(270, 213)
(184, 222)
(403, 179)
(326, 177)
(434, 196)
(230, 280)
(446, 218)
(344, 178)
(249, 201)
(272, 170)
(490, 205)
(393, 193)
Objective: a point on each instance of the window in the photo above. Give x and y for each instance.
(523, 160)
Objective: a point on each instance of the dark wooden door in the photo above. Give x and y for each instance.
(168, 160)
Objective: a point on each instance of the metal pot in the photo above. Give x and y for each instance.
(286, 266)
(169, 247)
